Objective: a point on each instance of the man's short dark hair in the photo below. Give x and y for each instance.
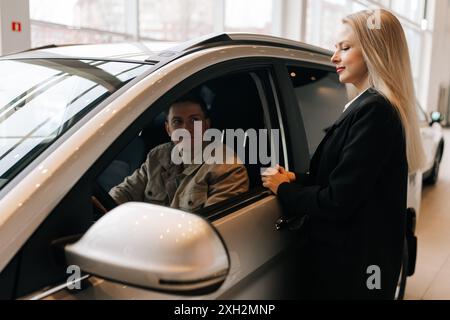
(192, 98)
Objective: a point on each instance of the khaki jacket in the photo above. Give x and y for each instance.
(186, 187)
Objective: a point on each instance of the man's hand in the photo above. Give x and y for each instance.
(98, 205)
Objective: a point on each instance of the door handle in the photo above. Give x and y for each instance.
(293, 224)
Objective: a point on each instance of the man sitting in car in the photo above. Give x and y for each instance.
(187, 186)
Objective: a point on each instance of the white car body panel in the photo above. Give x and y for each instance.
(431, 137)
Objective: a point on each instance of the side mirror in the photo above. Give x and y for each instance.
(153, 247)
(436, 117)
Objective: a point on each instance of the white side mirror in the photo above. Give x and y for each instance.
(153, 247)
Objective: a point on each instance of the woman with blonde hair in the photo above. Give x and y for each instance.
(355, 192)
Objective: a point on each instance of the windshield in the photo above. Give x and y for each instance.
(40, 99)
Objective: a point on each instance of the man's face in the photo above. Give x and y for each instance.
(183, 116)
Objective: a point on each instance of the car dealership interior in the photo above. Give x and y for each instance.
(156, 35)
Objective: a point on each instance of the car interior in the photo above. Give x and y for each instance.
(233, 102)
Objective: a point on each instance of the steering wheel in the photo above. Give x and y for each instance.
(104, 201)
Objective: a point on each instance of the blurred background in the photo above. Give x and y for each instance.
(47, 22)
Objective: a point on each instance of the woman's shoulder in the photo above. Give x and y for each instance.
(372, 96)
(375, 102)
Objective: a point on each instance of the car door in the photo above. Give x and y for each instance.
(262, 265)
(261, 259)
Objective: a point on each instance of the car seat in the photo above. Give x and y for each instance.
(237, 105)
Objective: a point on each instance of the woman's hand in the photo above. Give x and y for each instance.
(290, 175)
(272, 182)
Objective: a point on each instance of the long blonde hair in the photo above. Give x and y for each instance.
(386, 54)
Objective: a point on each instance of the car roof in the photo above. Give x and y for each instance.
(158, 51)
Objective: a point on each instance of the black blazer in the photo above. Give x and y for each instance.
(355, 198)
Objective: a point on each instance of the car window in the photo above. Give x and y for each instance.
(321, 98)
(40, 99)
(234, 106)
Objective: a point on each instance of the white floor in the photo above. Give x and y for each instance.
(432, 278)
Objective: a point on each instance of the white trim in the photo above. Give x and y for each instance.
(219, 16)
(132, 19)
(278, 17)
(46, 293)
(303, 15)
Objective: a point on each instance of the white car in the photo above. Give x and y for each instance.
(433, 142)
(76, 120)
